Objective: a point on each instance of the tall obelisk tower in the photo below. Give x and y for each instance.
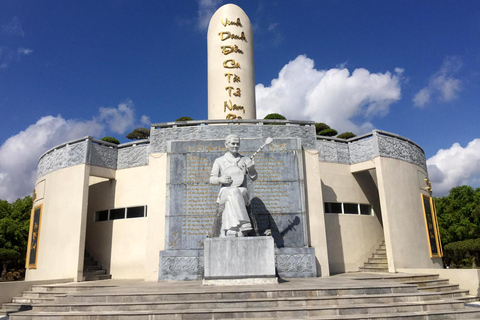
(231, 76)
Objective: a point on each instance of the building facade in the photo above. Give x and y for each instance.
(143, 209)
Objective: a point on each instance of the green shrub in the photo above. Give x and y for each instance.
(328, 133)
(346, 135)
(275, 116)
(139, 134)
(110, 139)
(320, 126)
(462, 253)
(184, 119)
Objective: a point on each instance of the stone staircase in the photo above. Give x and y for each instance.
(41, 294)
(378, 261)
(92, 271)
(347, 296)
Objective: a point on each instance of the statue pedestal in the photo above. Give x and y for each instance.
(237, 261)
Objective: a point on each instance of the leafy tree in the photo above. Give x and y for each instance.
(111, 140)
(7, 256)
(14, 227)
(459, 214)
(184, 119)
(346, 135)
(320, 126)
(328, 133)
(139, 134)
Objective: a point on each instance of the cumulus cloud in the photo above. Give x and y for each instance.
(118, 119)
(206, 9)
(145, 121)
(443, 85)
(19, 154)
(454, 167)
(345, 101)
(13, 28)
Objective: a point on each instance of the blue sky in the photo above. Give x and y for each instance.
(74, 68)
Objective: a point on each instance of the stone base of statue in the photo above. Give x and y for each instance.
(239, 261)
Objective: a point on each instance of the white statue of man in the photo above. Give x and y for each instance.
(230, 171)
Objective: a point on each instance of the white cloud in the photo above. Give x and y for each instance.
(145, 121)
(118, 119)
(24, 51)
(454, 167)
(442, 85)
(8, 55)
(422, 97)
(19, 154)
(13, 28)
(345, 101)
(206, 9)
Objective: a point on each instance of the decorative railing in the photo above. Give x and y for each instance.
(88, 150)
(369, 146)
(260, 122)
(100, 153)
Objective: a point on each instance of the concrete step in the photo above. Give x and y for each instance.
(398, 277)
(262, 312)
(381, 251)
(91, 268)
(246, 303)
(375, 265)
(467, 299)
(377, 260)
(35, 294)
(219, 294)
(62, 288)
(429, 282)
(440, 288)
(97, 277)
(373, 269)
(379, 256)
(26, 300)
(94, 272)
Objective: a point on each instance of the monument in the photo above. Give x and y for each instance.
(312, 206)
(231, 258)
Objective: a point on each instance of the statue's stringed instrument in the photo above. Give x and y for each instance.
(236, 173)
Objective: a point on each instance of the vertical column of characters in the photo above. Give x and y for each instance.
(34, 235)
(231, 66)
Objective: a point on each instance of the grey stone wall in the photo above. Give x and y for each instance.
(395, 148)
(362, 150)
(355, 150)
(133, 156)
(332, 151)
(103, 156)
(64, 156)
(95, 153)
(369, 146)
(160, 136)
